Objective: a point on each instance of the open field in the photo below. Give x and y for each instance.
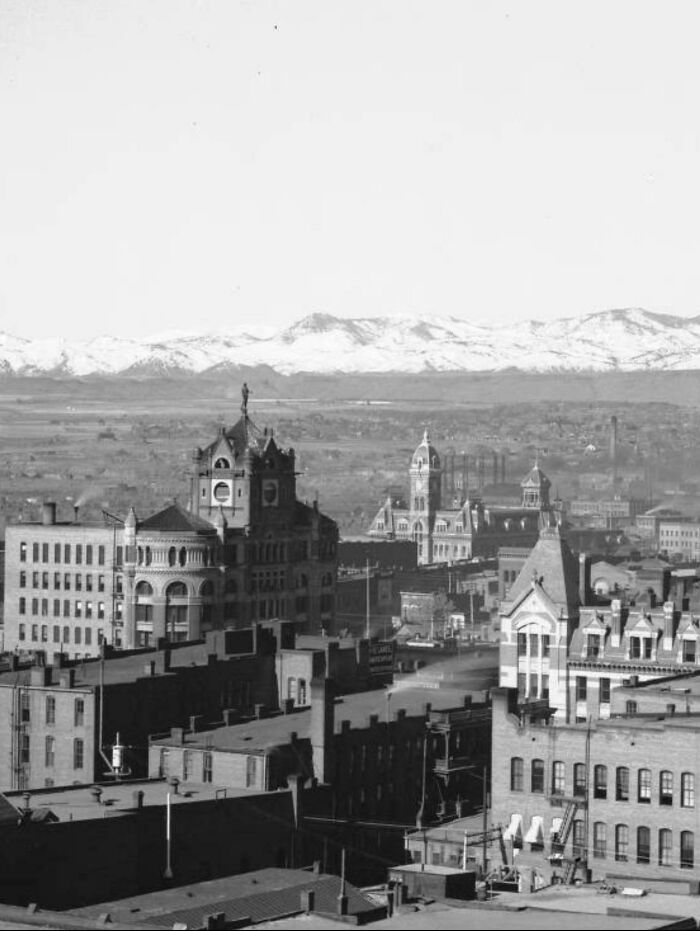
(109, 443)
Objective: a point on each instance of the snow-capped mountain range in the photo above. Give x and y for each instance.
(623, 340)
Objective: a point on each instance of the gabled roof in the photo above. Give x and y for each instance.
(554, 566)
(176, 519)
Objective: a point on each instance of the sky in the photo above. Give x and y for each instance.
(186, 165)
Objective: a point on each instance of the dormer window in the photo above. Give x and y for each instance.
(689, 651)
(593, 645)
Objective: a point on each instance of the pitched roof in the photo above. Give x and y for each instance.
(553, 564)
(176, 519)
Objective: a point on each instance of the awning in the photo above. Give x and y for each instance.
(556, 825)
(514, 830)
(535, 833)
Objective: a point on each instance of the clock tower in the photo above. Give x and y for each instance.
(425, 482)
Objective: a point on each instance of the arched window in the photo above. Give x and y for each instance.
(516, 774)
(665, 847)
(687, 850)
(600, 843)
(222, 463)
(579, 779)
(206, 589)
(139, 555)
(143, 589)
(644, 786)
(176, 590)
(172, 556)
(622, 784)
(600, 781)
(148, 558)
(666, 788)
(643, 845)
(558, 777)
(622, 842)
(183, 556)
(687, 790)
(537, 776)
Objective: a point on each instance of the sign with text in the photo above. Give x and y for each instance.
(381, 657)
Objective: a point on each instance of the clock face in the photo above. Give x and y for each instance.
(269, 493)
(222, 492)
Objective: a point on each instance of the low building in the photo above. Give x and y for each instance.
(680, 539)
(61, 722)
(369, 747)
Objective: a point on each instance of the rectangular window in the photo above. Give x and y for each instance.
(665, 847)
(251, 772)
(88, 609)
(687, 850)
(44, 552)
(88, 636)
(534, 645)
(647, 647)
(66, 581)
(35, 632)
(23, 552)
(522, 644)
(23, 579)
(79, 712)
(35, 552)
(66, 608)
(23, 606)
(50, 709)
(78, 609)
(35, 579)
(77, 635)
(100, 583)
(635, 648)
(537, 776)
(581, 690)
(545, 687)
(643, 845)
(101, 610)
(579, 838)
(24, 749)
(78, 582)
(533, 685)
(605, 691)
(57, 607)
(593, 646)
(88, 555)
(25, 707)
(56, 634)
(35, 606)
(57, 580)
(78, 753)
(66, 552)
(207, 766)
(688, 651)
(687, 790)
(57, 552)
(44, 607)
(120, 555)
(100, 555)
(522, 683)
(44, 633)
(22, 632)
(78, 553)
(88, 583)
(545, 645)
(186, 765)
(50, 750)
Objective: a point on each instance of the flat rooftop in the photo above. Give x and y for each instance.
(77, 803)
(266, 733)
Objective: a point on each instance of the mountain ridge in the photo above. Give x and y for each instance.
(625, 340)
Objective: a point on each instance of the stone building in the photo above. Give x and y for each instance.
(465, 527)
(246, 550)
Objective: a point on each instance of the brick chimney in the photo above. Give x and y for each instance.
(322, 726)
(615, 622)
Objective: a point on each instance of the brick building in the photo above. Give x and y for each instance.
(616, 797)
(246, 550)
(52, 715)
(368, 747)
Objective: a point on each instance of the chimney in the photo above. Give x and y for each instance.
(615, 622)
(322, 727)
(67, 679)
(259, 711)
(177, 735)
(583, 569)
(229, 716)
(669, 618)
(138, 799)
(195, 723)
(48, 513)
(76, 511)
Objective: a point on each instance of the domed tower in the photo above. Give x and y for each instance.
(535, 488)
(425, 484)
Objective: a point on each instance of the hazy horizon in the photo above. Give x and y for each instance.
(195, 166)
